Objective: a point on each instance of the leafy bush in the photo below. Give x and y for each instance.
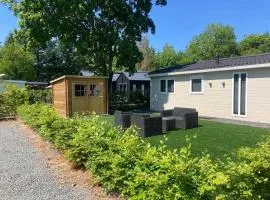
(125, 163)
(119, 97)
(13, 97)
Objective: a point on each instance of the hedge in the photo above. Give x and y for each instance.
(13, 97)
(126, 164)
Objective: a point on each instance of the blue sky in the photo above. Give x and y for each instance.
(180, 20)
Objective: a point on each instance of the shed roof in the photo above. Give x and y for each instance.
(78, 77)
(215, 64)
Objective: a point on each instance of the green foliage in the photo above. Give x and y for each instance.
(216, 40)
(56, 60)
(13, 97)
(254, 44)
(169, 57)
(148, 62)
(16, 62)
(99, 30)
(127, 164)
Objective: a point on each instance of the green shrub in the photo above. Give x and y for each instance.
(13, 97)
(125, 163)
(65, 130)
(251, 171)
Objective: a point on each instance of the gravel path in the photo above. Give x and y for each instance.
(23, 174)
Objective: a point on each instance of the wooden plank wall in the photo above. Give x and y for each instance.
(60, 97)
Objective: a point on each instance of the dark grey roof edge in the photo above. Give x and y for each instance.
(223, 63)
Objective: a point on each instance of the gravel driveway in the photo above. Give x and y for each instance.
(23, 174)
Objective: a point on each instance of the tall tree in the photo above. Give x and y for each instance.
(55, 60)
(254, 44)
(169, 57)
(148, 62)
(103, 30)
(16, 62)
(216, 40)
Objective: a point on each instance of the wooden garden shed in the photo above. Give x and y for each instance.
(78, 94)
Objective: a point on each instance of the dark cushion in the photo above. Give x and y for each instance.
(180, 112)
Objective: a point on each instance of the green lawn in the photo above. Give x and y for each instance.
(217, 139)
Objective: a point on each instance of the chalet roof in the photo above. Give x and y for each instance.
(215, 64)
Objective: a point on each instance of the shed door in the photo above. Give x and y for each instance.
(97, 97)
(80, 98)
(89, 97)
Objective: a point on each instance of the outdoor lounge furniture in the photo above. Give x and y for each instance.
(185, 118)
(148, 126)
(122, 119)
(168, 124)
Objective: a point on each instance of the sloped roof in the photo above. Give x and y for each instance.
(222, 63)
(138, 76)
(115, 76)
(86, 73)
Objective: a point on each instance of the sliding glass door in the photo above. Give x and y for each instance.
(240, 94)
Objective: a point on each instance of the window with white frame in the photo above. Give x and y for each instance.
(170, 86)
(162, 85)
(196, 85)
(167, 85)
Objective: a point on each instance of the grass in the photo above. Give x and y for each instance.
(215, 138)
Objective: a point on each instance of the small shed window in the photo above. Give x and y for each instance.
(170, 86)
(80, 90)
(92, 90)
(196, 85)
(162, 85)
(95, 90)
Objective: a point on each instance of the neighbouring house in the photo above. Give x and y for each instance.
(233, 88)
(127, 82)
(131, 83)
(78, 94)
(5, 83)
(37, 85)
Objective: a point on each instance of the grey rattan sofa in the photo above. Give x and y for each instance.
(122, 119)
(148, 126)
(185, 118)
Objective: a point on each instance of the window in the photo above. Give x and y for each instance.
(123, 87)
(142, 89)
(95, 90)
(162, 85)
(92, 89)
(239, 94)
(80, 90)
(196, 85)
(170, 85)
(134, 87)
